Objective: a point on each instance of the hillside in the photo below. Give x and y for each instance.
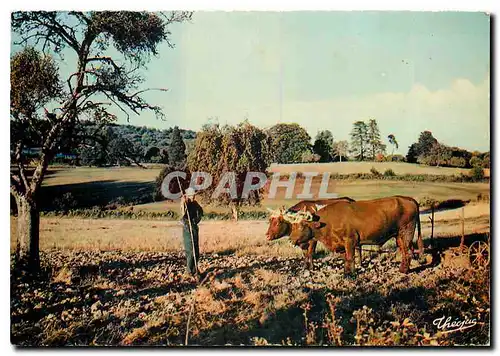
(87, 187)
(364, 167)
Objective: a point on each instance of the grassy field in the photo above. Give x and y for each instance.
(134, 186)
(364, 167)
(218, 236)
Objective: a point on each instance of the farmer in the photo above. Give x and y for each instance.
(195, 212)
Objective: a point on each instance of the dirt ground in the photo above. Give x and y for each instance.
(123, 282)
(145, 298)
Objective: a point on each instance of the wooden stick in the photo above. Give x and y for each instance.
(432, 225)
(191, 309)
(462, 240)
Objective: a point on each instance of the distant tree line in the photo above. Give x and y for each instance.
(114, 144)
(429, 151)
(291, 144)
(245, 148)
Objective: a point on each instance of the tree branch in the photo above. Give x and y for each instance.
(14, 191)
(119, 106)
(45, 27)
(68, 81)
(133, 160)
(15, 178)
(104, 59)
(20, 165)
(61, 31)
(81, 17)
(90, 105)
(148, 89)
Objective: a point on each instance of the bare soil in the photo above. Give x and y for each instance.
(122, 282)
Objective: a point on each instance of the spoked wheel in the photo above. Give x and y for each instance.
(479, 254)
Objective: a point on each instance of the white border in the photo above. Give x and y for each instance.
(490, 6)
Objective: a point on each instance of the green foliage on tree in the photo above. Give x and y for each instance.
(412, 155)
(288, 142)
(240, 149)
(105, 146)
(34, 79)
(395, 158)
(461, 157)
(486, 160)
(35, 82)
(323, 145)
(206, 152)
(124, 152)
(310, 157)
(162, 158)
(375, 145)
(359, 141)
(428, 150)
(438, 155)
(477, 173)
(111, 50)
(93, 137)
(177, 149)
(151, 152)
(425, 144)
(476, 161)
(458, 162)
(189, 145)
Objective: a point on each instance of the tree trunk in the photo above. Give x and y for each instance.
(28, 224)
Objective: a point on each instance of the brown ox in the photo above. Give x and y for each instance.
(280, 227)
(344, 225)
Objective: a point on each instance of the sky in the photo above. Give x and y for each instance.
(411, 71)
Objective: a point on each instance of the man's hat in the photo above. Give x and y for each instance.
(190, 192)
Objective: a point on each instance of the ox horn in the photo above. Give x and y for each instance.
(298, 216)
(307, 216)
(319, 206)
(275, 212)
(291, 217)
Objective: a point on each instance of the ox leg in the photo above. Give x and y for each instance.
(360, 254)
(405, 255)
(310, 252)
(349, 256)
(305, 250)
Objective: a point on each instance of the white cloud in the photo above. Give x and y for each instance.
(458, 115)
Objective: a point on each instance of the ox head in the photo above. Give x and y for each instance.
(303, 226)
(278, 227)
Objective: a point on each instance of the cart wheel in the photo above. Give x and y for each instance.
(479, 254)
